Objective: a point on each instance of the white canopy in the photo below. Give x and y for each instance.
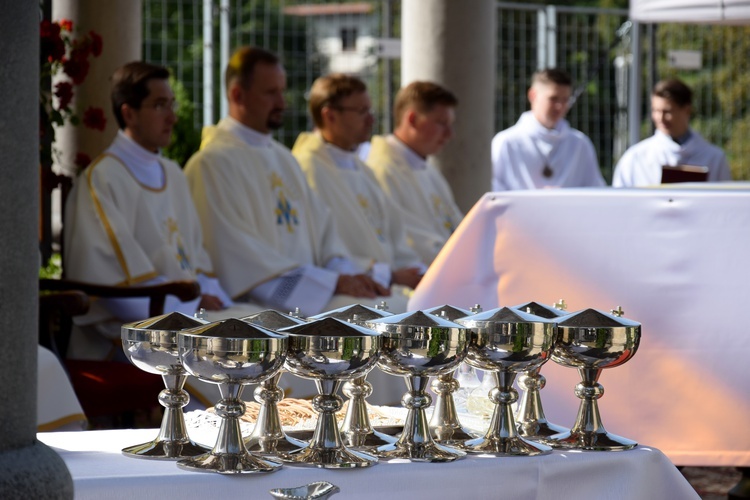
(691, 11)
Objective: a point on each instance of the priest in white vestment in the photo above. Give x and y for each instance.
(542, 150)
(130, 220)
(424, 115)
(367, 221)
(674, 143)
(270, 237)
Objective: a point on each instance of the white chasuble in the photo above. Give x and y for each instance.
(424, 199)
(642, 163)
(530, 156)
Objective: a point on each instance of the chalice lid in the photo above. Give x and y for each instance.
(348, 313)
(593, 318)
(451, 313)
(415, 319)
(273, 320)
(542, 310)
(329, 327)
(501, 315)
(233, 328)
(173, 321)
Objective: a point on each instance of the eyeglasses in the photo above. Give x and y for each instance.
(359, 111)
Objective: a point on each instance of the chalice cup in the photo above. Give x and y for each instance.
(591, 340)
(232, 354)
(417, 345)
(445, 426)
(531, 422)
(505, 342)
(151, 345)
(268, 437)
(357, 431)
(330, 351)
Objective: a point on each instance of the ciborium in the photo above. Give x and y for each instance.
(330, 351)
(232, 354)
(506, 342)
(591, 340)
(357, 431)
(268, 437)
(531, 422)
(416, 346)
(151, 345)
(445, 426)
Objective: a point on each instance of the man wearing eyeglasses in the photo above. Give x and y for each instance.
(272, 239)
(366, 219)
(129, 218)
(424, 113)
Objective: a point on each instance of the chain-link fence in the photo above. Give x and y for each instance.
(315, 37)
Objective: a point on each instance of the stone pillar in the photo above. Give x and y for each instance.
(28, 469)
(119, 22)
(452, 43)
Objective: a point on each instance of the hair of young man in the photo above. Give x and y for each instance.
(675, 91)
(329, 91)
(423, 97)
(130, 86)
(554, 76)
(242, 64)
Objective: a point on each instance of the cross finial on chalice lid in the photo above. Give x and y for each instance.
(476, 308)
(560, 304)
(618, 312)
(296, 313)
(201, 314)
(383, 306)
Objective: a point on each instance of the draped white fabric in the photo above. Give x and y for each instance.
(675, 259)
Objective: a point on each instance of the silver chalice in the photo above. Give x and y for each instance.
(417, 346)
(506, 341)
(151, 345)
(591, 340)
(357, 431)
(531, 422)
(268, 437)
(232, 354)
(330, 351)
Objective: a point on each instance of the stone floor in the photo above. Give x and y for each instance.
(711, 483)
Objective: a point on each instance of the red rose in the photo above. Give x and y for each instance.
(82, 160)
(94, 118)
(66, 24)
(49, 30)
(64, 93)
(76, 69)
(96, 43)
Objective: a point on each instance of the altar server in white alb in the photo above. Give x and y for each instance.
(271, 238)
(367, 221)
(130, 220)
(424, 113)
(542, 150)
(673, 143)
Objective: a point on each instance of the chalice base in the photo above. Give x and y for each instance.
(367, 441)
(505, 447)
(163, 449)
(536, 431)
(452, 436)
(590, 441)
(330, 458)
(273, 447)
(229, 463)
(419, 452)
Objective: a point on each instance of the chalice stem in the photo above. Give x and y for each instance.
(589, 391)
(416, 428)
(530, 404)
(173, 399)
(327, 403)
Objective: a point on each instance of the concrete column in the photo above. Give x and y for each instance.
(28, 469)
(119, 22)
(452, 43)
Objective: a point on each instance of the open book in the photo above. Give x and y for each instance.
(683, 173)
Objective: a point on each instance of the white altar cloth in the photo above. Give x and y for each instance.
(677, 260)
(99, 470)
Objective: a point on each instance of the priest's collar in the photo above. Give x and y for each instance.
(530, 123)
(142, 163)
(343, 159)
(249, 136)
(415, 161)
(681, 140)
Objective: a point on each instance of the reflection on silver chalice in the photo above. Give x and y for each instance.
(531, 422)
(232, 354)
(268, 437)
(445, 427)
(330, 351)
(357, 431)
(506, 341)
(417, 346)
(590, 341)
(151, 345)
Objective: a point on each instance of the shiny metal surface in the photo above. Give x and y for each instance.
(506, 341)
(416, 346)
(231, 353)
(356, 430)
(151, 345)
(531, 422)
(591, 340)
(330, 351)
(319, 490)
(268, 437)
